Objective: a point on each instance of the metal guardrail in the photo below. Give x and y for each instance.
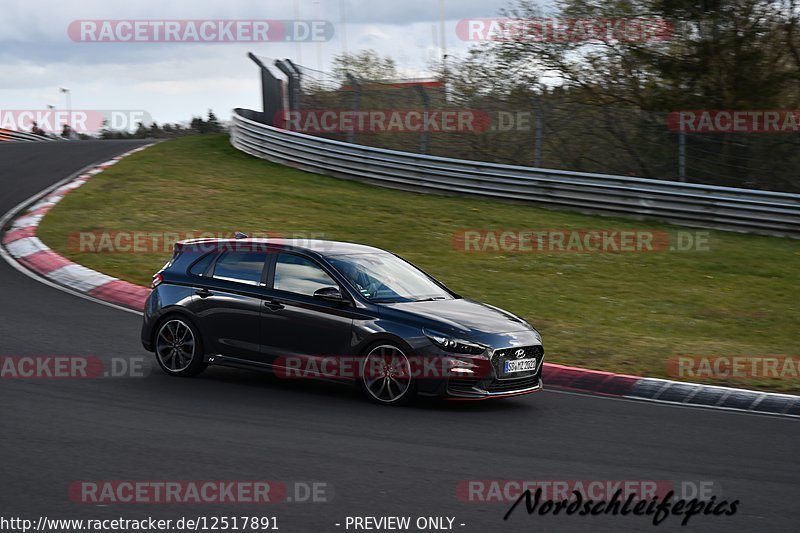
(687, 204)
(10, 135)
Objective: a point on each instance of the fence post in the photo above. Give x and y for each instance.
(682, 156)
(539, 132)
(294, 84)
(426, 105)
(351, 135)
(298, 76)
(271, 95)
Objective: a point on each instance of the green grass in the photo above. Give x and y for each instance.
(625, 312)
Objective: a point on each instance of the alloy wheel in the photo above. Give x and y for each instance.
(175, 345)
(386, 374)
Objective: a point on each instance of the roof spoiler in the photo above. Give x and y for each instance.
(200, 242)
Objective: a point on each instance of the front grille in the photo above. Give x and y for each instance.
(501, 356)
(509, 385)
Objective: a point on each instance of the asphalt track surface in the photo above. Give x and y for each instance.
(377, 461)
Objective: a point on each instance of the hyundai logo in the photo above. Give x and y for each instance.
(520, 353)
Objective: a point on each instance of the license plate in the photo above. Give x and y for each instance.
(520, 365)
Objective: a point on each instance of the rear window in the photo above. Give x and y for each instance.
(200, 267)
(241, 267)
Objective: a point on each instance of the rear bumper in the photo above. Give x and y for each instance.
(147, 337)
(148, 322)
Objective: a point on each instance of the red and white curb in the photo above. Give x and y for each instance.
(669, 392)
(23, 246)
(23, 249)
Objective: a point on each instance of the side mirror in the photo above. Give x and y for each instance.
(329, 294)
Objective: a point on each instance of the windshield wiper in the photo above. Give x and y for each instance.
(404, 300)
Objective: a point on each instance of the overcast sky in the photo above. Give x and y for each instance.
(173, 81)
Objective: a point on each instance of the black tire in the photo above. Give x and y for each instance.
(385, 386)
(174, 354)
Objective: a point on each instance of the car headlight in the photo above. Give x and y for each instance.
(454, 345)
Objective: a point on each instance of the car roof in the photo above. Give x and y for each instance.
(321, 247)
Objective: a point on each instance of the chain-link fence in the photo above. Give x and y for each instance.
(529, 128)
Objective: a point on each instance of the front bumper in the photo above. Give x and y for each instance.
(460, 389)
(485, 376)
(496, 383)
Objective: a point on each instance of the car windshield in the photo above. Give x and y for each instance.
(383, 277)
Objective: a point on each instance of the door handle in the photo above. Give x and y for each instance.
(203, 293)
(274, 305)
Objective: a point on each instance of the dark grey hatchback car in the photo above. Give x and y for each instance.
(334, 311)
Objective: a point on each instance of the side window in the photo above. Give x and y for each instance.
(200, 267)
(299, 275)
(242, 267)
